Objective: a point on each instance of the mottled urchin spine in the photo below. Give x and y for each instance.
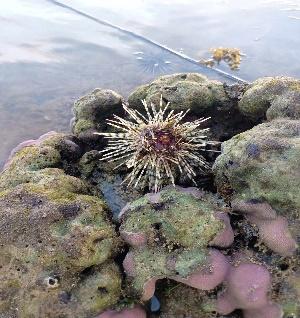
(154, 145)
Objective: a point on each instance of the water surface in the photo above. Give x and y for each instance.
(49, 55)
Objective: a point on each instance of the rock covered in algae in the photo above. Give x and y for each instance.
(57, 242)
(272, 97)
(134, 312)
(184, 91)
(51, 150)
(91, 111)
(248, 286)
(260, 168)
(203, 98)
(169, 233)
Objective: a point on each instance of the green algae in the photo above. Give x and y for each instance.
(273, 97)
(263, 164)
(178, 227)
(183, 91)
(83, 125)
(53, 230)
(182, 218)
(189, 261)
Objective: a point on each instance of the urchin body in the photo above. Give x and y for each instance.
(155, 145)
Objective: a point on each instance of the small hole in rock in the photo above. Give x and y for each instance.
(284, 266)
(156, 226)
(52, 281)
(102, 290)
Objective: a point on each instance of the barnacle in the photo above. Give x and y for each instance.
(155, 145)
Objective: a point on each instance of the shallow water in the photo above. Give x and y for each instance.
(51, 55)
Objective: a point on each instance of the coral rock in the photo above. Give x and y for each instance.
(91, 111)
(168, 233)
(57, 242)
(262, 168)
(273, 97)
(203, 97)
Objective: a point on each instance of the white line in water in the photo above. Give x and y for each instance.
(131, 33)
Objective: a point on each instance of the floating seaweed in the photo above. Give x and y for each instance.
(231, 56)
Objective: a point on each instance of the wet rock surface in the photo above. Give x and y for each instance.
(71, 246)
(203, 98)
(169, 233)
(57, 240)
(272, 97)
(91, 111)
(261, 167)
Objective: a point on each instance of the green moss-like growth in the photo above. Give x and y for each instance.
(41, 154)
(56, 238)
(184, 91)
(273, 97)
(263, 164)
(83, 125)
(88, 162)
(93, 109)
(100, 290)
(84, 297)
(26, 162)
(44, 233)
(181, 218)
(177, 225)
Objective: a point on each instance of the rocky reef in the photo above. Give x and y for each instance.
(76, 242)
(57, 240)
(170, 233)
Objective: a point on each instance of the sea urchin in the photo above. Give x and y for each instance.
(154, 146)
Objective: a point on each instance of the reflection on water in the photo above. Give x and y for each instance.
(156, 63)
(49, 56)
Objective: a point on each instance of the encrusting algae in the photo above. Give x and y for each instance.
(154, 146)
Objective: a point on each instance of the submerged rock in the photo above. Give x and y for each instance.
(51, 150)
(57, 242)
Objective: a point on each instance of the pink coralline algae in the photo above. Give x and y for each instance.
(211, 275)
(206, 278)
(151, 223)
(273, 229)
(225, 237)
(247, 287)
(169, 233)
